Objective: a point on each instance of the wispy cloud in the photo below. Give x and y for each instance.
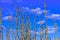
(34, 32)
(8, 18)
(41, 22)
(3, 27)
(54, 16)
(51, 30)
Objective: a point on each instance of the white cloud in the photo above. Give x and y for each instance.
(33, 10)
(8, 18)
(36, 11)
(54, 16)
(39, 11)
(41, 22)
(27, 9)
(51, 30)
(45, 11)
(3, 27)
(35, 32)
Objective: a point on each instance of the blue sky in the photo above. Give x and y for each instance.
(52, 8)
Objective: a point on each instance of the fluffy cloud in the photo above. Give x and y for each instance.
(54, 16)
(27, 9)
(36, 11)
